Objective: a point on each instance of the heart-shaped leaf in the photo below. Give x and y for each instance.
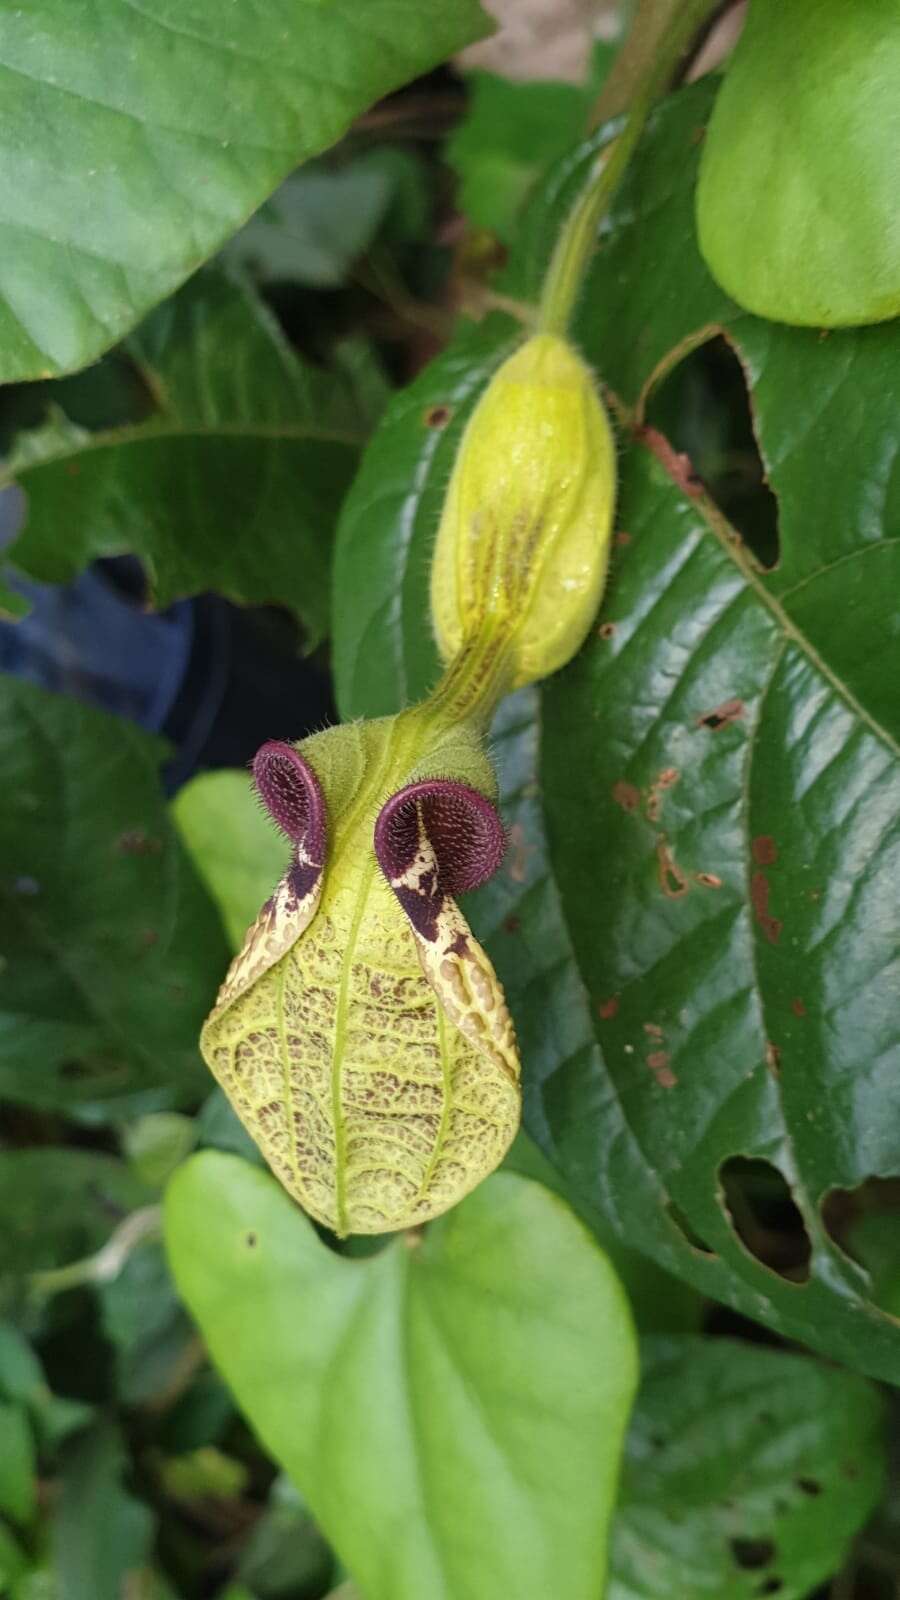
(137, 137)
(234, 481)
(793, 210)
(452, 1408)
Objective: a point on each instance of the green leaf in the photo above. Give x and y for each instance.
(18, 1487)
(778, 1039)
(233, 483)
(451, 1407)
(793, 210)
(747, 1472)
(136, 139)
(235, 849)
(61, 1204)
(101, 1535)
(111, 951)
(747, 914)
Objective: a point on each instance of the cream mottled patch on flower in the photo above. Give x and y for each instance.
(361, 1071)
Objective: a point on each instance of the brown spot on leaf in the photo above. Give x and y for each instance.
(626, 795)
(653, 808)
(668, 777)
(606, 630)
(764, 849)
(437, 416)
(798, 1007)
(658, 1062)
(728, 711)
(672, 880)
(709, 880)
(675, 462)
(654, 1030)
(608, 1008)
(512, 924)
(759, 899)
(773, 1059)
(622, 537)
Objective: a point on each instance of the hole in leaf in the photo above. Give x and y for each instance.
(865, 1224)
(752, 1553)
(765, 1217)
(684, 1227)
(703, 409)
(770, 1585)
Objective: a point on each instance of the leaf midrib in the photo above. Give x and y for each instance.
(733, 545)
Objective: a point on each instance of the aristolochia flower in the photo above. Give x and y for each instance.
(361, 1033)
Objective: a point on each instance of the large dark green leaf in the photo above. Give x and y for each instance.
(452, 1407)
(718, 779)
(747, 1472)
(111, 949)
(233, 483)
(135, 138)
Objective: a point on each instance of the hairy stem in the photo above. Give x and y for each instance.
(660, 35)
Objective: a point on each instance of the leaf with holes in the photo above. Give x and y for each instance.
(773, 1462)
(233, 483)
(713, 1020)
(111, 949)
(452, 1407)
(137, 137)
(735, 809)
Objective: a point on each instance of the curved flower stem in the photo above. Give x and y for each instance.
(659, 37)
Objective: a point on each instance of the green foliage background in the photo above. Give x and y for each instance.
(696, 927)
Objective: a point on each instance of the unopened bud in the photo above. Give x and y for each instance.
(523, 542)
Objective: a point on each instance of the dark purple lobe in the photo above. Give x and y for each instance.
(461, 825)
(290, 792)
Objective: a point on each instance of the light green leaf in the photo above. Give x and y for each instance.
(18, 1488)
(233, 483)
(101, 1535)
(797, 212)
(236, 850)
(110, 951)
(136, 138)
(451, 1408)
(747, 1472)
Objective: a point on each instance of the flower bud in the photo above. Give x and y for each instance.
(523, 541)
